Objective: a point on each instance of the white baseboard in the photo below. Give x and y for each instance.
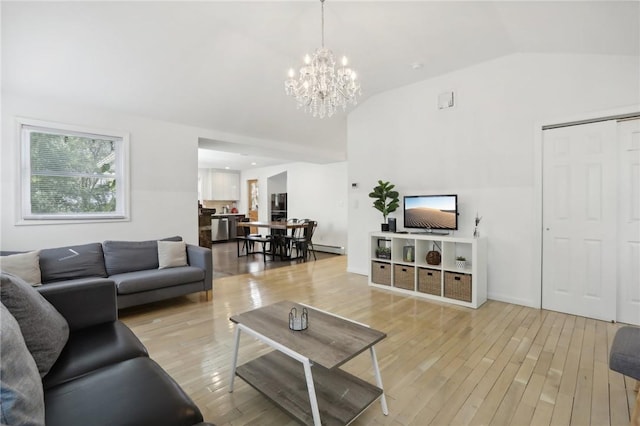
(513, 300)
(358, 271)
(328, 249)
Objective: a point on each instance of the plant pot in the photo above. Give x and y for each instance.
(385, 227)
(384, 255)
(461, 264)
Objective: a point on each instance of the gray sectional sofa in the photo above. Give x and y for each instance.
(133, 266)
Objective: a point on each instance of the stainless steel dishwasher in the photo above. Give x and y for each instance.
(219, 228)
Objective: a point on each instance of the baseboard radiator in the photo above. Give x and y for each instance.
(328, 249)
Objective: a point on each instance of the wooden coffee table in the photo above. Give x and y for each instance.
(312, 357)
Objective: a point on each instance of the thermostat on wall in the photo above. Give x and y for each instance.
(445, 100)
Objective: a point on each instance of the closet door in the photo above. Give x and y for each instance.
(580, 220)
(629, 222)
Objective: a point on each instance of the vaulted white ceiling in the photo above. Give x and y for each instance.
(221, 64)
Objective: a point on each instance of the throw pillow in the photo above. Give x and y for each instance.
(45, 331)
(24, 265)
(21, 395)
(172, 254)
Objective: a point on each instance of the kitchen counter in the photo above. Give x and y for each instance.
(224, 226)
(217, 227)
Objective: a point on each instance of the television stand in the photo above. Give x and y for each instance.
(430, 232)
(414, 270)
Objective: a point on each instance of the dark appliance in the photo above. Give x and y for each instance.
(279, 206)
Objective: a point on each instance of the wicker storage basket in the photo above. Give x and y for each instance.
(381, 273)
(429, 281)
(457, 286)
(403, 277)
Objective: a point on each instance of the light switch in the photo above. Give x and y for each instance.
(445, 100)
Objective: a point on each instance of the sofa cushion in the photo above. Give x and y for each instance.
(128, 256)
(172, 254)
(136, 392)
(84, 302)
(45, 331)
(625, 352)
(153, 279)
(23, 265)
(70, 262)
(21, 398)
(73, 283)
(93, 348)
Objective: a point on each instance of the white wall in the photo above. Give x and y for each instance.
(314, 191)
(163, 173)
(483, 150)
(277, 184)
(163, 181)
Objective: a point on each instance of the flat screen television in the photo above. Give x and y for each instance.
(437, 212)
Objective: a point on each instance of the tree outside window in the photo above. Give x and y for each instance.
(72, 175)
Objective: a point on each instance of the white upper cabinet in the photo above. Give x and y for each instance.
(218, 185)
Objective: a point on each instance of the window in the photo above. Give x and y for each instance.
(72, 174)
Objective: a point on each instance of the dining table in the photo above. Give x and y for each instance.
(274, 225)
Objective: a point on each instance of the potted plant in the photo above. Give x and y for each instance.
(461, 262)
(383, 252)
(386, 200)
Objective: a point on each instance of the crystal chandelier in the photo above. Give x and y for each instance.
(321, 88)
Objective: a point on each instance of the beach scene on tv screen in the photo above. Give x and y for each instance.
(431, 212)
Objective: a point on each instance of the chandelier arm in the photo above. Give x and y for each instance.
(322, 12)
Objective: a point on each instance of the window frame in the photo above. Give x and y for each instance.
(121, 141)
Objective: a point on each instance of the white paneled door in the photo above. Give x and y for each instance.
(629, 222)
(580, 216)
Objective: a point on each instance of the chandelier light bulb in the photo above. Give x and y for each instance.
(320, 87)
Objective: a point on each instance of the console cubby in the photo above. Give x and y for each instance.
(409, 271)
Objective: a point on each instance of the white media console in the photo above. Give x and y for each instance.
(407, 271)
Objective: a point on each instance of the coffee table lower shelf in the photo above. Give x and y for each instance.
(341, 396)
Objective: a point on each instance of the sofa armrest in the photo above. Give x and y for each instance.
(83, 304)
(201, 257)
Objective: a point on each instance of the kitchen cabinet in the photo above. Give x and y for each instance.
(204, 184)
(225, 185)
(218, 185)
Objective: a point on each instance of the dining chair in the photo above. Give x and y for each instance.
(267, 245)
(292, 235)
(248, 239)
(304, 243)
(311, 231)
(276, 239)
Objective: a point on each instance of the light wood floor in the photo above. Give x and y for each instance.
(501, 364)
